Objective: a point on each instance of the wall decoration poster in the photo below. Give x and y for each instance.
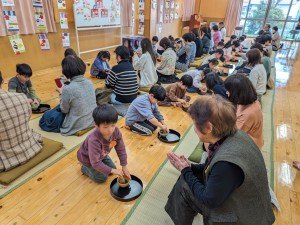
(177, 5)
(141, 17)
(161, 11)
(94, 12)
(141, 4)
(37, 3)
(17, 44)
(44, 42)
(141, 29)
(176, 15)
(172, 4)
(171, 16)
(11, 21)
(63, 20)
(8, 3)
(65, 40)
(76, 1)
(61, 4)
(167, 5)
(40, 21)
(167, 16)
(104, 12)
(99, 4)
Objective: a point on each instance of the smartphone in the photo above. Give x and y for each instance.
(58, 82)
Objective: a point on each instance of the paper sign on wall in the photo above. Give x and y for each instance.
(141, 4)
(66, 40)
(17, 44)
(44, 42)
(11, 21)
(63, 20)
(61, 4)
(37, 3)
(141, 29)
(40, 21)
(8, 3)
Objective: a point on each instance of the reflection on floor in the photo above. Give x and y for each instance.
(287, 132)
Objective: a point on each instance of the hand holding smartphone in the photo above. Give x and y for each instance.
(58, 83)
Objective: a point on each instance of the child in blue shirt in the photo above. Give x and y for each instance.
(143, 116)
(100, 68)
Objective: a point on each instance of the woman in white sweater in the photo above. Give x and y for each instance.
(258, 75)
(144, 62)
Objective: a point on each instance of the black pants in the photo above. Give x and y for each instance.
(143, 128)
(101, 75)
(182, 207)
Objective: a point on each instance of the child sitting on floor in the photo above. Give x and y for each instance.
(100, 68)
(199, 74)
(63, 78)
(93, 153)
(219, 55)
(229, 52)
(21, 84)
(176, 92)
(143, 116)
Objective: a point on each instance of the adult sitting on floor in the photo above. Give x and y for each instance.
(122, 78)
(248, 110)
(229, 188)
(166, 69)
(77, 101)
(18, 143)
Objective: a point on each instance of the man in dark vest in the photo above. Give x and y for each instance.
(232, 186)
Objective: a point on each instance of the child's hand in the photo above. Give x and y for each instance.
(182, 100)
(203, 90)
(117, 172)
(126, 172)
(165, 128)
(59, 90)
(36, 101)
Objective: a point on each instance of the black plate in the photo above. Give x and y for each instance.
(133, 191)
(228, 65)
(172, 137)
(41, 109)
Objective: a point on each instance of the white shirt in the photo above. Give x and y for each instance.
(223, 32)
(147, 69)
(196, 75)
(258, 77)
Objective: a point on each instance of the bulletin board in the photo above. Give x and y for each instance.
(89, 13)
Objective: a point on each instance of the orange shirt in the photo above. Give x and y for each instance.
(250, 120)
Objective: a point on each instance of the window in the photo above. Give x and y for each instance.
(281, 13)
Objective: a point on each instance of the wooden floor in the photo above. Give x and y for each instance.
(62, 195)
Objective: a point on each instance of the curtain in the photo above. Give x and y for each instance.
(49, 15)
(233, 15)
(126, 13)
(25, 16)
(188, 9)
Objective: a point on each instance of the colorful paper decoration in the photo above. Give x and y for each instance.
(141, 4)
(61, 4)
(11, 21)
(40, 21)
(17, 44)
(95, 12)
(8, 3)
(63, 20)
(66, 40)
(172, 4)
(44, 42)
(104, 12)
(37, 3)
(141, 29)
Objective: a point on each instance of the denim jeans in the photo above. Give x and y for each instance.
(96, 175)
(113, 99)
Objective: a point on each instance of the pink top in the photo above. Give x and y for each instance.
(217, 37)
(95, 147)
(250, 120)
